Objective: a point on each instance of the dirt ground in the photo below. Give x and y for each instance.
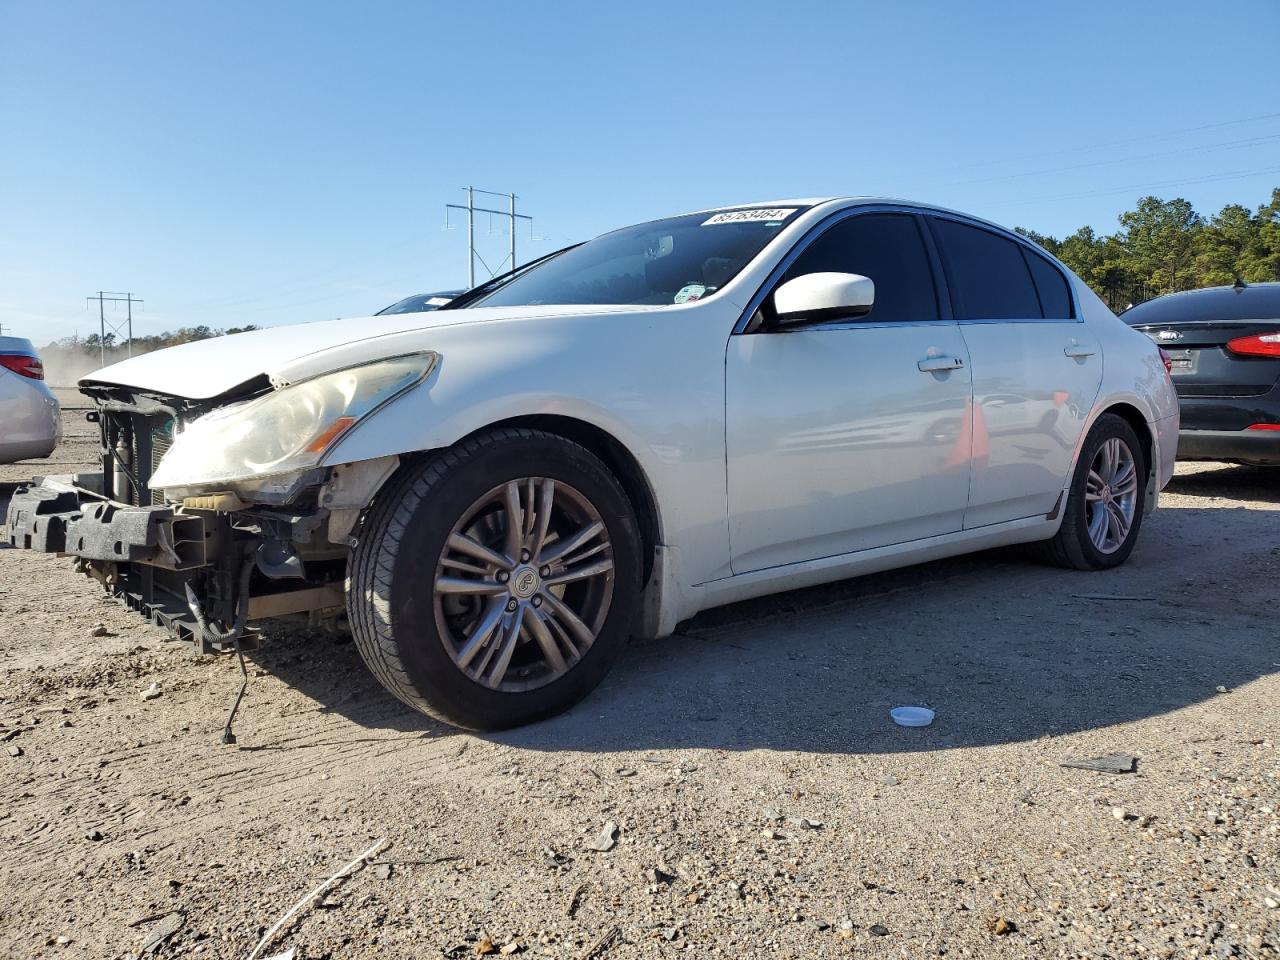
(122, 818)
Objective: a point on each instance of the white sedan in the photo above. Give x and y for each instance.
(30, 418)
(676, 415)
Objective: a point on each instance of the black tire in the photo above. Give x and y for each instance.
(1073, 547)
(390, 595)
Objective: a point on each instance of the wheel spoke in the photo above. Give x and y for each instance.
(461, 585)
(462, 543)
(603, 565)
(1107, 456)
(1098, 526)
(571, 622)
(1121, 522)
(1126, 481)
(480, 635)
(546, 500)
(562, 548)
(454, 563)
(507, 638)
(529, 513)
(550, 649)
(1093, 486)
(515, 519)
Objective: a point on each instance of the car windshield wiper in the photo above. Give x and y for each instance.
(496, 283)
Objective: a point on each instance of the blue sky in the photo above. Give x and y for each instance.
(249, 162)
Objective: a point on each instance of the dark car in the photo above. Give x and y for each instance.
(421, 302)
(1223, 347)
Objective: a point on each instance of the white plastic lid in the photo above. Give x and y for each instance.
(912, 716)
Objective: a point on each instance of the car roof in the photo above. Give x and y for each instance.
(853, 201)
(16, 345)
(1253, 301)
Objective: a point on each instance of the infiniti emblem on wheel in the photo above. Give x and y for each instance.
(525, 583)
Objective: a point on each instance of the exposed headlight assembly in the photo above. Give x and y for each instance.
(287, 430)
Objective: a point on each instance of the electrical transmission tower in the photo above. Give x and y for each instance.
(472, 210)
(110, 296)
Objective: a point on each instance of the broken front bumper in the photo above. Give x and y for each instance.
(175, 566)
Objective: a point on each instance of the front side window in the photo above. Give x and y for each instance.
(677, 260)
(986, 274)
(887, 248)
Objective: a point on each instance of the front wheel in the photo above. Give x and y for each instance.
(497, 582)
(1103, 514)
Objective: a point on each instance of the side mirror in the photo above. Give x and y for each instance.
(824, 296)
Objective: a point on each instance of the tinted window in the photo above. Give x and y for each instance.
(1055, 297)
(886, 247)
(986, 274)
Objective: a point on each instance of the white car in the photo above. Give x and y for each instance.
(30, 418)
(675, 415)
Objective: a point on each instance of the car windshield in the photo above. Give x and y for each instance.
(677, 260)
(420, 303)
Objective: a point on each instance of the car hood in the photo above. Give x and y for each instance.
(205, 369)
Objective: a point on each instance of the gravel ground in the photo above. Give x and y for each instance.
(764, 804)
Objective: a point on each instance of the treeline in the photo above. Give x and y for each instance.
(114, 347)
(1164, 246)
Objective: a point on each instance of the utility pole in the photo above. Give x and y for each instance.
(111, 296)
(472, 210)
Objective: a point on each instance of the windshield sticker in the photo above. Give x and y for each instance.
(750, 216)
(438, 301)
(690, 292)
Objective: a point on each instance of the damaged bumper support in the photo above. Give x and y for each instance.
(200, 574)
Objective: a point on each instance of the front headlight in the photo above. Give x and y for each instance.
(287, 430)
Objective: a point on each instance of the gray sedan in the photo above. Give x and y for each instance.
(30, 424)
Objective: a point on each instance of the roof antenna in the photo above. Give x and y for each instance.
(1239, 285)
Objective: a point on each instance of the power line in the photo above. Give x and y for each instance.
(1085, 148)
(1208, 148)
(1209, 178)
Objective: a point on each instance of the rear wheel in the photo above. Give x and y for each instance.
(496, 583)
(1103, 513)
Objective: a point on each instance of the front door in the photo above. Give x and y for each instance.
(849, 435)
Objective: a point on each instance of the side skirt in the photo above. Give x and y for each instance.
(794, 576)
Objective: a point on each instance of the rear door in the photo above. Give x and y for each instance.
(1036, 369)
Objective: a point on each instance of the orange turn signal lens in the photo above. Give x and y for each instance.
(326, 436)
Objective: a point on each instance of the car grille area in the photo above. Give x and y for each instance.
(133, 446)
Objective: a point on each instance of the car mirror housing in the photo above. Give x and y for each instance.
(816, 297)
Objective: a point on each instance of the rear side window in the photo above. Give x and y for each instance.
(1055, 297)
(888, 248)
(986, 273)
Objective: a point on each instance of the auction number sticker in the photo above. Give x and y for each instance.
(750, 216)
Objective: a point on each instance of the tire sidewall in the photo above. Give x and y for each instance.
(426, 526)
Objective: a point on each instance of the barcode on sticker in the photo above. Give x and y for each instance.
(749, 216)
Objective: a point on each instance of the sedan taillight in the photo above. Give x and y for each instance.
(1259, 345)
(23, 364)
(1167, 360)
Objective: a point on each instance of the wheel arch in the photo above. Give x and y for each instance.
(615, 455)
(1134, 417)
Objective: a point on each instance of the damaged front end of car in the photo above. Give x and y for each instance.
(208, 515)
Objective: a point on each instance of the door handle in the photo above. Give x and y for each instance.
(940, 364)
(1078, 351)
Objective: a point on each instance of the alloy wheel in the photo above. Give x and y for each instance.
(1111, 495)
(523, 584)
